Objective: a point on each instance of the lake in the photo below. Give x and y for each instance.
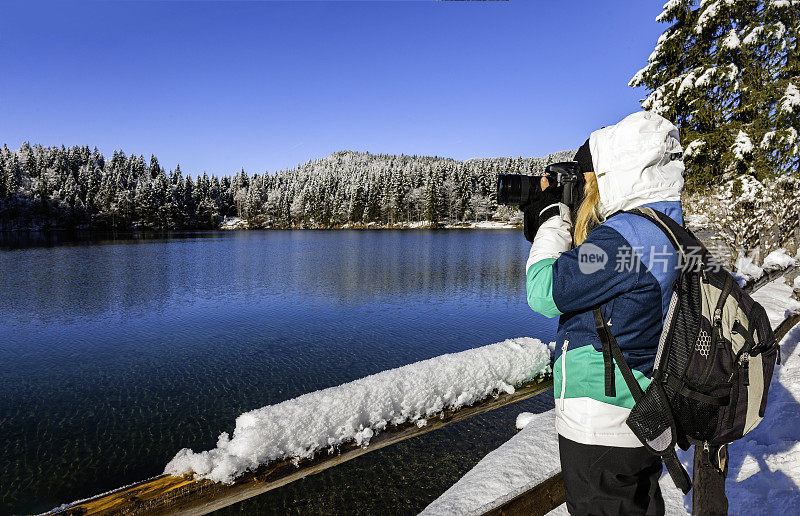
(117, 351)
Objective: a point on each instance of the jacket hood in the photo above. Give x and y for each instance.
(637, 161)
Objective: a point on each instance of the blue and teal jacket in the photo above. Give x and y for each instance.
(626, 266)
(630, 276)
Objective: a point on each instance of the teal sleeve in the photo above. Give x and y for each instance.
(540, 288)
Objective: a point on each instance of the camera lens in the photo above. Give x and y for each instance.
(513, 189)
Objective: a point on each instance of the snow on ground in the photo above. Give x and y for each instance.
(233, 223)
(354, 412)
(523, 419)
(764, 470)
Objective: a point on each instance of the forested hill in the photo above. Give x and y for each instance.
(51, 187)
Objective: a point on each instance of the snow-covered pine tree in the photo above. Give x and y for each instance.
(727, 72)
(432, 198)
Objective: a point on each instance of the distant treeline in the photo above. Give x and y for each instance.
(51, 187)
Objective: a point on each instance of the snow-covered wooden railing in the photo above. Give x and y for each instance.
(279, 444)
(768, 275)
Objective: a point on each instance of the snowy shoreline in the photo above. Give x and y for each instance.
(237, 224)
(241, 225)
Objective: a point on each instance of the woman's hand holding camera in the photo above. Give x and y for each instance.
(542, 206)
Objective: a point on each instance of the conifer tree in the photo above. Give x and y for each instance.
(727, 73)
(357, 204)
(432, 199)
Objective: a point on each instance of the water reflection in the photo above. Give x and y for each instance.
(345, 266)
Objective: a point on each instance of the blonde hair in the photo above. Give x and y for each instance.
(589, 211)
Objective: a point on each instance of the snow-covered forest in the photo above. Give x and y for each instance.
(52, 187)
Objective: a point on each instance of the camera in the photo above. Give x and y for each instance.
(519, 190)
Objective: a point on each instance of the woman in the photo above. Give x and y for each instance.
(626, 266)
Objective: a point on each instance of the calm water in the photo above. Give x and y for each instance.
(116, 353)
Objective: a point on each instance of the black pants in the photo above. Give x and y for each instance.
(610, 480)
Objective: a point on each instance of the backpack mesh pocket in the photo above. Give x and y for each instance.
(697, 414)
(651, 420)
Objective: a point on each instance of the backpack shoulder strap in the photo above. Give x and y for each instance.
(611, 353)
(665, 223)
(612, 350)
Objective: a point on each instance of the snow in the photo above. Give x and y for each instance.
(779, 30)
(687, 83)
(356, 411)
(764, 474)
(524, 461)
(796, 283)
(768, 137)
(731, 40)
(418, 224)
(792, 137)
(705, 77)
(742, 145)
(637, 79)
(708, 14)
(753, 35)
(664, 37)
(233, 223)
(671, 4)
(693, 147)
(791, 99)
(732, 70)
(777, 259)
(523, 418)
(488, 224)
(746, 269)
(655, 101)
(64, 506)
(425, 224)
(697, 220)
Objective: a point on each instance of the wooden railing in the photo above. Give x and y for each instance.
(537, 501)
(167, 494)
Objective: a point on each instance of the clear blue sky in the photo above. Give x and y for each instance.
(268, 85)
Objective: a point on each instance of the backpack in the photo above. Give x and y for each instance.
(714, 362)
